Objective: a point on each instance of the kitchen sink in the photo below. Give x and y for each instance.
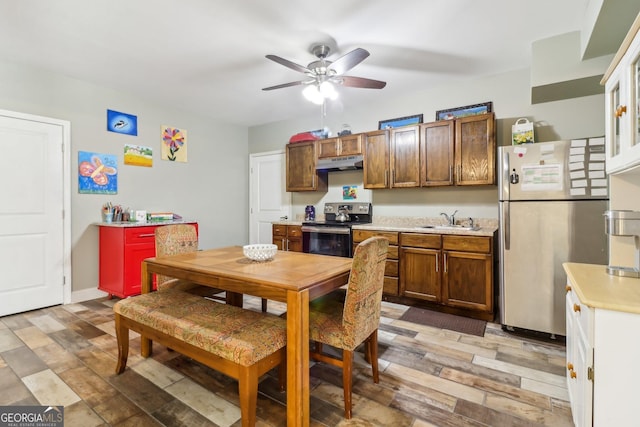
(453, 227)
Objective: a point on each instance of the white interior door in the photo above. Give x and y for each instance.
(34, 253)
(269, 200)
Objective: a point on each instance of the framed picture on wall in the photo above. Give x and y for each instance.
(400, 121)
(469, 110)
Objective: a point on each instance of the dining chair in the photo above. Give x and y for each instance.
(346, 323)
(174, 239)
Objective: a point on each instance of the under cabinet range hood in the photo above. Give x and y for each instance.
(340, 163)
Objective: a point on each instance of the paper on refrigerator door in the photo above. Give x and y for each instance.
(542, 177)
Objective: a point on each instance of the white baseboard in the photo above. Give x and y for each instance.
(87, 294)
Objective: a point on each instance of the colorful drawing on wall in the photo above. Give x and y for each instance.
(174, 144)
(349, 192)
(97, 173)
(137, 155)
(122, 123)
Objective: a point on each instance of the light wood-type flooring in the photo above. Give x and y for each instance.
(66, 355)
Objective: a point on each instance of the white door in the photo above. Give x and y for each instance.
(269, 200)
(34, 247)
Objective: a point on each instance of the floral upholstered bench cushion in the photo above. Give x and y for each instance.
(233, 333)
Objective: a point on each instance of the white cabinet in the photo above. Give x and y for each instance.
(579, 358)
(603, 351)
(622, 105)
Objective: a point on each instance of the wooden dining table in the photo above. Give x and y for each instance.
(291, 277)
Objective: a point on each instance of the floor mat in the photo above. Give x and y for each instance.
(452, 322)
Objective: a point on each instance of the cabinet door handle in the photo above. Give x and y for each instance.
(570, 366)
(284, 247)
(620, 110)
(567, 288)
(444, 262)
(573, 374)
(437, 262)
(147, 235)
(576, 307)
(450, 173)
(386, 177)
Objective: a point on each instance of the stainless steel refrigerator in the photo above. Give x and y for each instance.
(552, 197)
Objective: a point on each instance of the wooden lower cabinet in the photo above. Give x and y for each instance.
(391, 268)
(287, 237)
(451, 270)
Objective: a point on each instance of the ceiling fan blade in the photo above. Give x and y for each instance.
(284, 85)
(348, 60)
(288, 63)
(351, 81)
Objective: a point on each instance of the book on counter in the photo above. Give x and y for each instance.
(160, 216)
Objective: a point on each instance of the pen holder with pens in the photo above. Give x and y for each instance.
(107, 216)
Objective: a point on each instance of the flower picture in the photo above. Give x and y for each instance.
(174, 144)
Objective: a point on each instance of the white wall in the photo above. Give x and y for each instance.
(510, 94)
(211, 188)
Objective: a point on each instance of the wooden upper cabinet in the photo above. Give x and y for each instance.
(348, 145)
(436, 149)
(376, 159)
(329, 147)
(475, 150)
(301, 168)
(405, 156)
(351, 145)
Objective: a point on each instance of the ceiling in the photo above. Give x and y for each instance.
(208, 56)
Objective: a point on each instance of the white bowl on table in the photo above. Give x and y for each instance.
(260, 252)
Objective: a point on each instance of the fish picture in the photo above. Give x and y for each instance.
(122, 123)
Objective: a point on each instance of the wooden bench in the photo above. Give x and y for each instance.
(240, 343)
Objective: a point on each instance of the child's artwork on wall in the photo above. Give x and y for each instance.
(174, 144)
(349, 192)
(137, 155)
(122, 123)
(97, 173)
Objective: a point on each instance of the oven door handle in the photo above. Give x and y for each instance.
(326, 230)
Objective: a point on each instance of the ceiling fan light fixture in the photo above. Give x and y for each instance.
(312, 93)
(318, 93)
(328, 90)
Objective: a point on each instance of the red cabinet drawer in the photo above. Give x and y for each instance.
(137, 235)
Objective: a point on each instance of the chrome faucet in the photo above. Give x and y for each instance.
(451, 219)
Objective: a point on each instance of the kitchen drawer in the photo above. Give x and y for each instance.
(390, 286)
(392, 253)
(362, 235)
(137, 235)
(466, 243)
(391, 268)
(427, 241)
(294, 231)
(581, 313)
(279, 230)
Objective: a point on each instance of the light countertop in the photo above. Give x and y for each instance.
(414, 228)
(488, 226)
(597, 289)
(143, 224)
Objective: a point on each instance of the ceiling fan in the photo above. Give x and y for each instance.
(323, 70)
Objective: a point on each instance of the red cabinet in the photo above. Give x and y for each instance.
(122, 250)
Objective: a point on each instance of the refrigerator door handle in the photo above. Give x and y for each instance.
(506, 225)
(504, 190)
